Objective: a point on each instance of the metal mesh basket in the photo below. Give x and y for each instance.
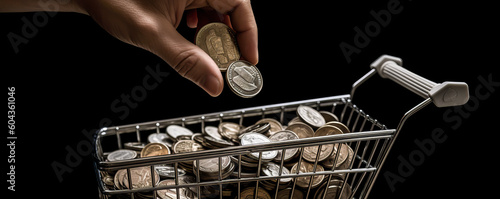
(369, 142)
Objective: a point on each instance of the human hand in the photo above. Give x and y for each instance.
(152, 24)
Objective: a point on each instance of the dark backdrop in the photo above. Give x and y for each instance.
(70, 72)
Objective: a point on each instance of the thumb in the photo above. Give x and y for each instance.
(188, 60)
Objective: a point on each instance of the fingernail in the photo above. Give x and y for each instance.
(212, 86)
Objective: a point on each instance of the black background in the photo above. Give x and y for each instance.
(70, 72)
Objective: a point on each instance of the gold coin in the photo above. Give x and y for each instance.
(275, 125)
(219, 42)
(306, 167)
(339, 125)
(310, 153)
(301, 129)
(154, 149)
(249, 192)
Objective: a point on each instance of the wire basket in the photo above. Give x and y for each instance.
(352, 175)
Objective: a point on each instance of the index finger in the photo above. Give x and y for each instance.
(243, 22)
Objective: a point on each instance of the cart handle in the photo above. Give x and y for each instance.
(442, 95)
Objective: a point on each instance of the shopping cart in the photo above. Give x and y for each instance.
(369, 140)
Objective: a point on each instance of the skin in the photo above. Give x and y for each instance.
(152, 24)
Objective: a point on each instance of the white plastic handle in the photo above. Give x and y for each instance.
(443, 95)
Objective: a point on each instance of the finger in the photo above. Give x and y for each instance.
(192, 18)
(243, 22)
(188, 60)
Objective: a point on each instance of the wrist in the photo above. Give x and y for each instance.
(41, 5)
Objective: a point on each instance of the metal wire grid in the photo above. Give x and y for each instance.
(369, 140)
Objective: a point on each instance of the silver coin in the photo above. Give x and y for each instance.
(310, 116)
(255, 138)
(176, 130)
(160, 138)
(285, 135)
(275, 125)
(122, 154)
(244, 79)
(272, 169)
(211, 165)
(213, 132)
(168, 171)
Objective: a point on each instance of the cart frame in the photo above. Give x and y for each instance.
(370, 140)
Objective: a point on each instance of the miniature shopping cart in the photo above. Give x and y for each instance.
(369, 140)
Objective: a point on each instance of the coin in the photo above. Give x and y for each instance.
(344, 153)
(275, 125)
(136, 146)
(184, 192)
(310, 116)
(122, 154)
(218, 143)
(285, 194)
(328, 116)
(310, 153)
(294, 120)
(168, 171)
(302, 130)
(257, 128)
(333, 191)
(213, 131)
(211, 165)
(249, 192)
(141, 177)
(184, 146)
(160, 138)
(219, 42)
(175, 130)
(285, 135)
(306, 167)
(154, 149)
(339, 125)
(272, 169)
(229, 130)
(244, 79)
(255, 138)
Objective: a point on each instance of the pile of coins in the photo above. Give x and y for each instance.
(219, 41)
(178, 139)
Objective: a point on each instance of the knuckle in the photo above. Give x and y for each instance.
(186, 61)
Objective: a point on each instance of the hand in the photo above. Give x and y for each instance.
(152, 24)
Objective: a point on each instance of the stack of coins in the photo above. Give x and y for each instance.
(249, 192)
(229, 130)
(185, 193)
(141, 178)
(306, 167)
(334, 190)
(256, 138)
(209, 168)
(308, 123)
(289, 153)
(272, 169)
(184, 146)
